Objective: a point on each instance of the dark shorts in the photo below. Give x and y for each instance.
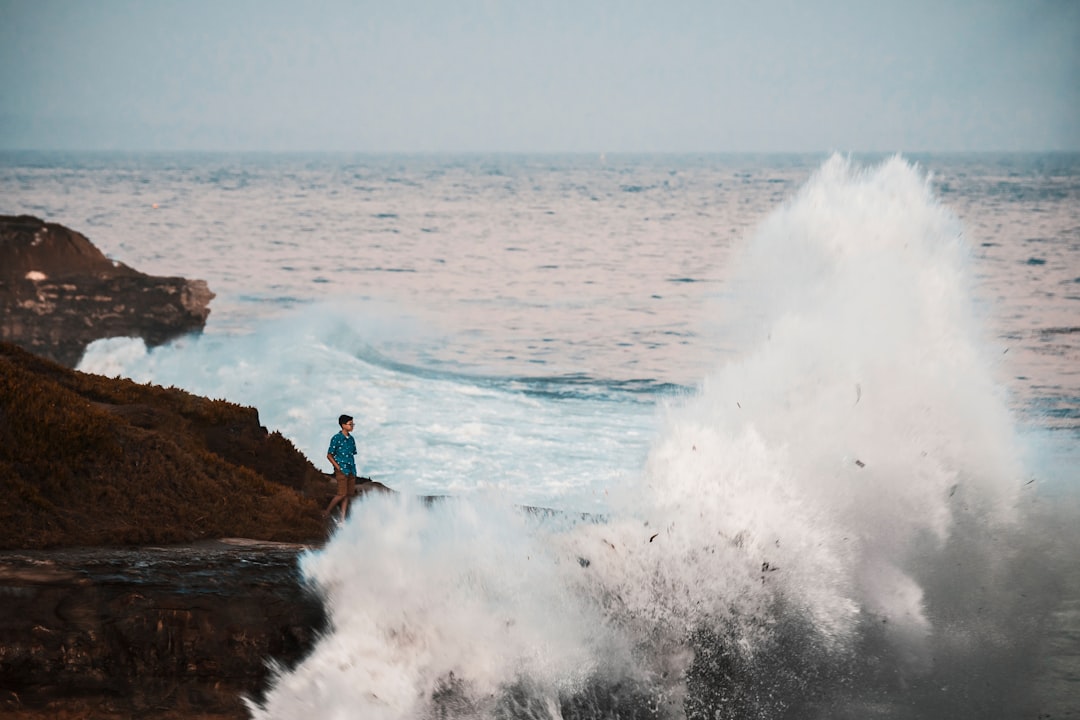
(346, 484)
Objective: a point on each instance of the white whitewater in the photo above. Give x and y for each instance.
(798, 513)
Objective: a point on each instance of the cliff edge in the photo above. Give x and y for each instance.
(59, 293)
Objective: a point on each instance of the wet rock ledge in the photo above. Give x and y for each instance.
(180, 631)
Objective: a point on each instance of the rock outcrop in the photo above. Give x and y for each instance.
(117, 597)
(59, 293)
(90, 460)
(182, 631)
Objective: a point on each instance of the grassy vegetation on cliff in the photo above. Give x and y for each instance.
(89, 460)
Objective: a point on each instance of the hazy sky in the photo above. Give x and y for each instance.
(540, 75)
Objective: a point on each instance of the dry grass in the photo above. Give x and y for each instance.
(89, 460)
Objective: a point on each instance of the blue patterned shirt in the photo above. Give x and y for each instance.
(343, 448)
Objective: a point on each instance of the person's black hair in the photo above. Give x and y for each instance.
(344, 419)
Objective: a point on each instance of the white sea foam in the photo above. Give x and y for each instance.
(420, 431)
(422, 595)
(802, 486)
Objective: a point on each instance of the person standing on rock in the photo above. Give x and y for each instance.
(341, 453)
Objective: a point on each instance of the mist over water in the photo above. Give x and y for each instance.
(837, 522)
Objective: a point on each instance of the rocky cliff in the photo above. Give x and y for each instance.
(117, 597)
(179, 631)
(89, 460)
(59, 293)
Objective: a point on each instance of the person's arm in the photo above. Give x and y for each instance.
(330, 453)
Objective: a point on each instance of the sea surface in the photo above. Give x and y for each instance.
(810, 424)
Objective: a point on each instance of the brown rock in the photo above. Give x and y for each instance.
(166, 632)
(59, 293)
(90, 460)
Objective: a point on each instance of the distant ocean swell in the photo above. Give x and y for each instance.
(834, 524)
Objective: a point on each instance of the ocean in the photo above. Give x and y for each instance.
(806, 429)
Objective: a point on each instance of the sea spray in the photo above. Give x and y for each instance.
(821, 472)
(453, 603)
(840, 452)
(784, 552)
(868, 384)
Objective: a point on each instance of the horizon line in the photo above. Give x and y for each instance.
(599, 153)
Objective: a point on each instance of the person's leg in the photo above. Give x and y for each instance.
(350, 490)
(333, 503)
(342, 494)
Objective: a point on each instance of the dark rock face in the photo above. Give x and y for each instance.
(59, 293)
(167, 632)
